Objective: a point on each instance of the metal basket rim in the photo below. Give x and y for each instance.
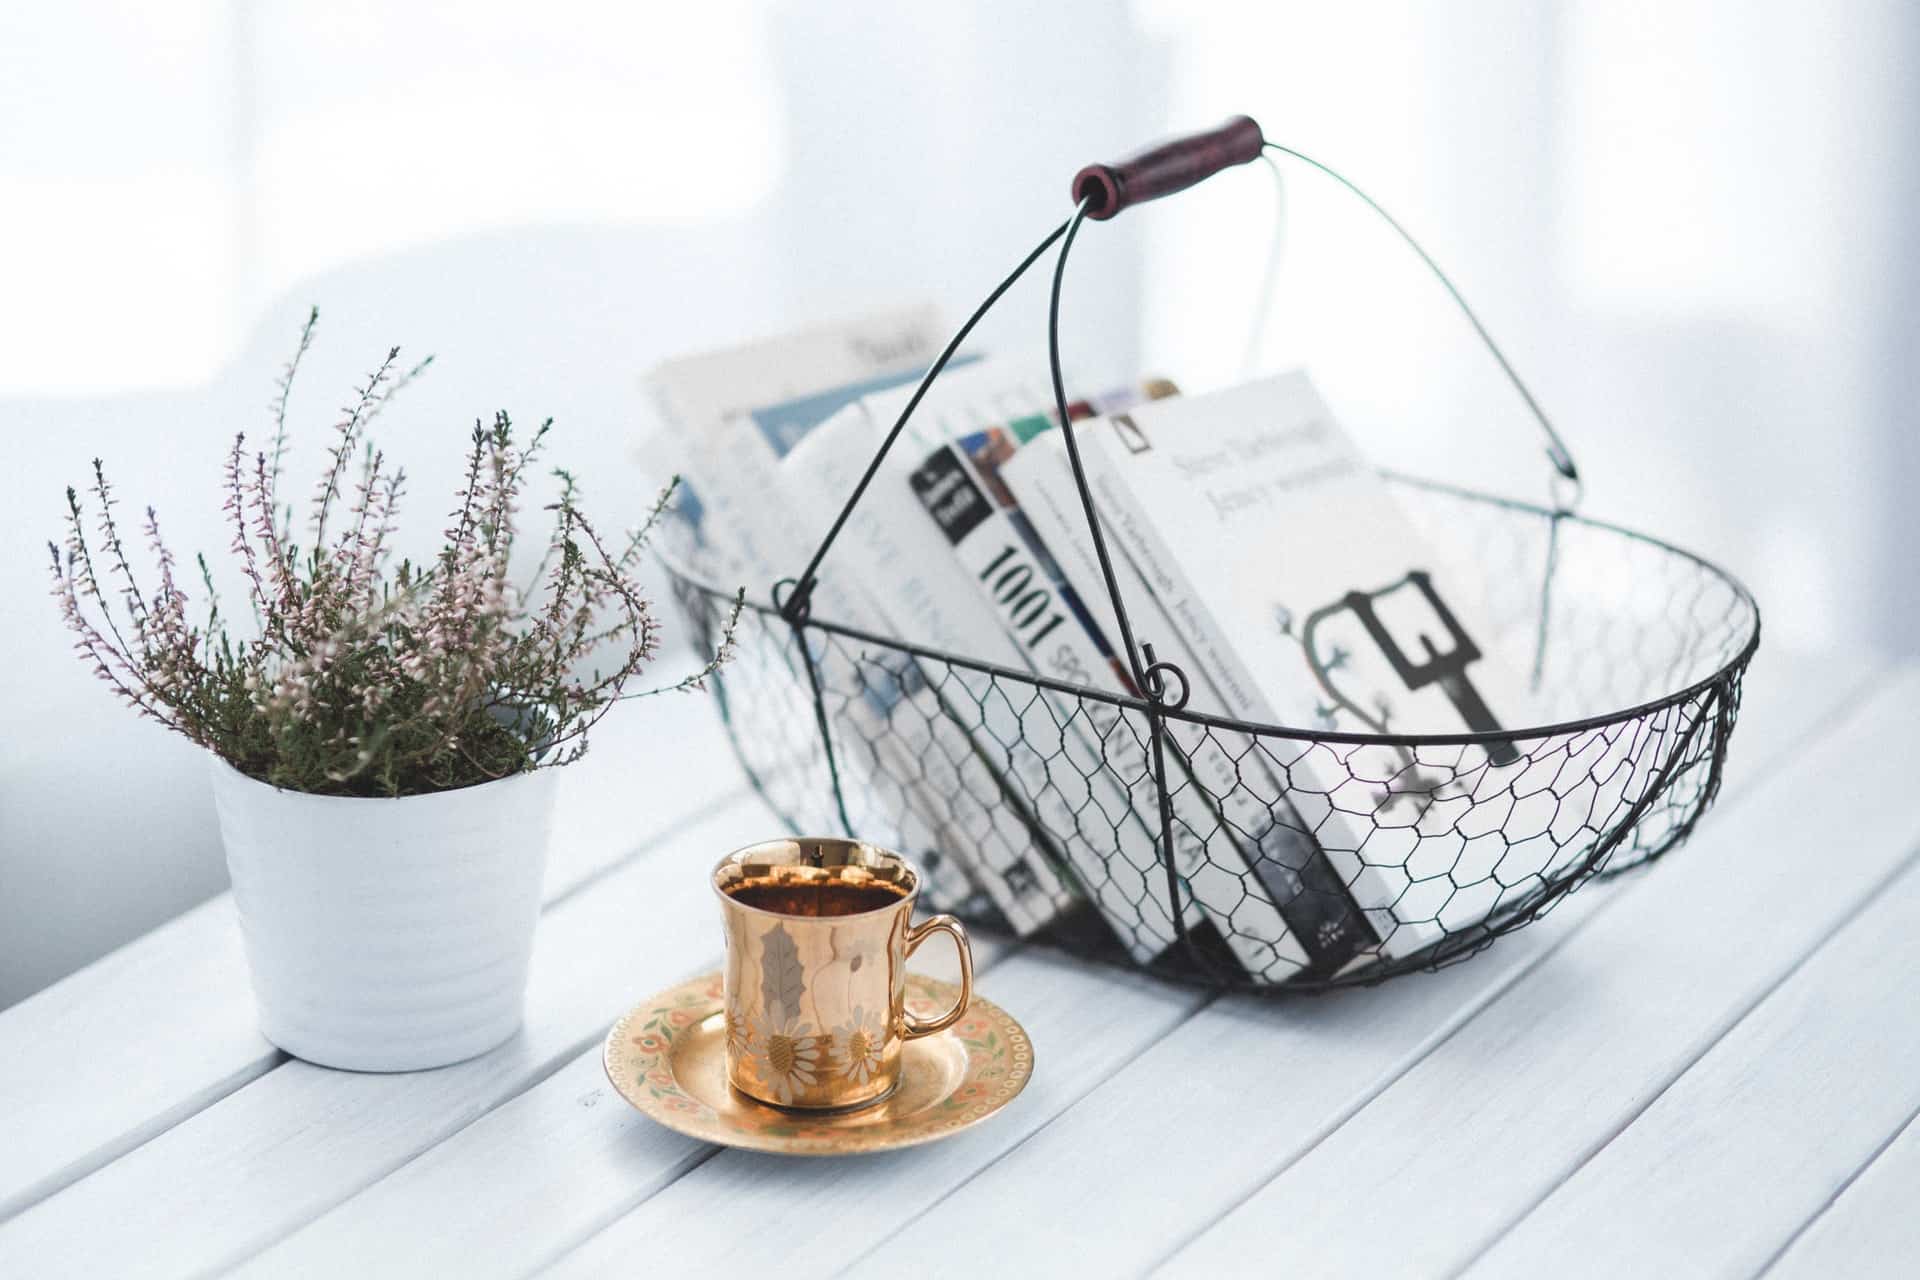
(1723, 674)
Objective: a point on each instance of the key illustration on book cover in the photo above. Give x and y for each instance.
(1446, 668)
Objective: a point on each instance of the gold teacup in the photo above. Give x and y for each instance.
(818, 934)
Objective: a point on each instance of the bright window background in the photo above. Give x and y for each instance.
(1682, 220)
(216, 153)
(1685, 221)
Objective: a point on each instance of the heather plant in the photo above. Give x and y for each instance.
(361, 676)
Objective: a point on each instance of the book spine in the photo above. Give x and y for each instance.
(1016, 587)
(953, 724)
(1291, 877)
(917, 736)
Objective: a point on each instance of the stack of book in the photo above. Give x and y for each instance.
(1255, 549)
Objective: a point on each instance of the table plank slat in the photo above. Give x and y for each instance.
(514, 1190)
(272, 1156)
(506, 1164)
(68, 1103)
(1247, 1086)
(1870, 1224)
(754, 1214)
(1785, 1108)
(1566, 1058)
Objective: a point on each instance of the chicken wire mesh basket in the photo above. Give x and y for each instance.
(1192, 831)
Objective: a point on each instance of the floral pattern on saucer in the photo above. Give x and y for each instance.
(641, 1063)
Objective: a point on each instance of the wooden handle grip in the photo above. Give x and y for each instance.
(1172, 166)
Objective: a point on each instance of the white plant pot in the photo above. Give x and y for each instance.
(387, 935)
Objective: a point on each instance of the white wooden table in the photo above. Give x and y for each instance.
(1712, 1068)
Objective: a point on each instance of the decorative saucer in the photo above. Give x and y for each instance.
(668, 1058)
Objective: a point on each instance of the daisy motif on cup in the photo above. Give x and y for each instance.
(739, 1038)
(786, 1055)
(857, 1044)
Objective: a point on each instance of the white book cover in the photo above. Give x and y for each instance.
(901, 747)
(1019, 577)
(1006, 863)
(1290, 872)
(1306, 590)
(930, 599)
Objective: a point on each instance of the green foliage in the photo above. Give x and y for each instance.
(364, 677)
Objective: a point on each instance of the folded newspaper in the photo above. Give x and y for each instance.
(1253, 546)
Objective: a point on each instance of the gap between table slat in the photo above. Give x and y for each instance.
(1399, 1020)
(250, 1071)
(1298, 1192)
(331, 1242)
(1840, 1238)
(212, 1016)
(562, 1063)
(1901, 880)
(803, 1218)
(795, 1254)
(267, 1157)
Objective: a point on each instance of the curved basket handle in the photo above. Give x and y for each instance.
(1100, 191)
(1175, 166)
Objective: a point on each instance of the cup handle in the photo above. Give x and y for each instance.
(917, 1026)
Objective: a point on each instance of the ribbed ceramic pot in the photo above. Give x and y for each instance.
(387, 935)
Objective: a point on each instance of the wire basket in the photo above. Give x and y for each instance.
(1637, 651)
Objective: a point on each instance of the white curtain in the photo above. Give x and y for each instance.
(1683, 218)
(169, 169)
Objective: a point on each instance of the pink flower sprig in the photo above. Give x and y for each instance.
(364, 677)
